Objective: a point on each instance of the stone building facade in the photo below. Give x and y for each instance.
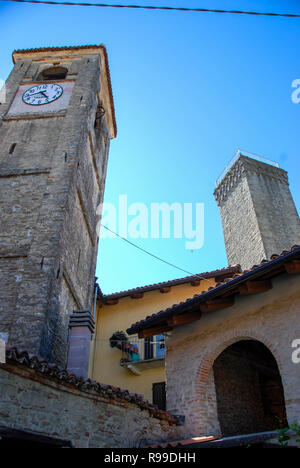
(229, 362)
(258, 213)
(229, 365)
(262, 320)
(53, 160)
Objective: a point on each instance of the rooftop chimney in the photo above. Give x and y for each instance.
(81, 330)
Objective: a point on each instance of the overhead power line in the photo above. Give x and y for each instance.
(154, 256)
(147, 252)
(167, 8)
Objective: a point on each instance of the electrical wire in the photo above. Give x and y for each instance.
(167, 8)
(154, 256)
(146, 251)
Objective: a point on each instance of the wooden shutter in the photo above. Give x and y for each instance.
(160, 346)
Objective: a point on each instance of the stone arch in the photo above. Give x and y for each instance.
(53, 73)
(207, 362)
(205, 388)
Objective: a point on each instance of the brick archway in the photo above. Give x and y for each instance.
(207, 362)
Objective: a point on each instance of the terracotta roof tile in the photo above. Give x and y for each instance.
(184, 442)
(219, 287)
(46, 49)
(187, 279)
(41, 366)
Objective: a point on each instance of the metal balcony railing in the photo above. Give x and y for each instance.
(146, 349)
(247, 154)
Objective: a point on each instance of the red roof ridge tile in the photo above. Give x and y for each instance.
(176, 281)
(45, 49)
(141, 323)
(39, 365)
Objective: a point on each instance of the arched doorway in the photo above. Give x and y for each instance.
(249, 390)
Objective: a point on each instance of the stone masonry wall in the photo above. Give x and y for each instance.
(34, 403)
(271, 318)
(242, 236)
(276, 214)
(50, 187)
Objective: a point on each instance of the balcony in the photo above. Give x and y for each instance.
(142, 354)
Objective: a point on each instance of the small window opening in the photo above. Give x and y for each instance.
(12, 148)
(42, 263)
(159, 395)
(53, 74)
(99, 114)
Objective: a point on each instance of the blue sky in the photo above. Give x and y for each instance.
(189, 89)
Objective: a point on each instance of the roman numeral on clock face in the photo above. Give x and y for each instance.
(42, 94)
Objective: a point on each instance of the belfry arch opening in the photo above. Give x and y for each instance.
(53, 73)
(249, 391)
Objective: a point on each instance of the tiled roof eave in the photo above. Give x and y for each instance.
(55, 49)
(216, 291)
(187, 279)
(16, 357)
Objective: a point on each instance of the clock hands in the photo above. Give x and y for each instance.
(39, 92)
(38, 95)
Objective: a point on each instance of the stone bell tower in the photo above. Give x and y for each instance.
(55, 128)
(258, 213)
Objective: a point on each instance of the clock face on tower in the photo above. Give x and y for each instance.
(42, 94)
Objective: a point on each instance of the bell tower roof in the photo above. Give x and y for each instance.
(65, 54)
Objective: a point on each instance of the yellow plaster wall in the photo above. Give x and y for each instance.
(105, 361)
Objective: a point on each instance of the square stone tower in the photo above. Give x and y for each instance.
(258, 213)
(55, 129)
